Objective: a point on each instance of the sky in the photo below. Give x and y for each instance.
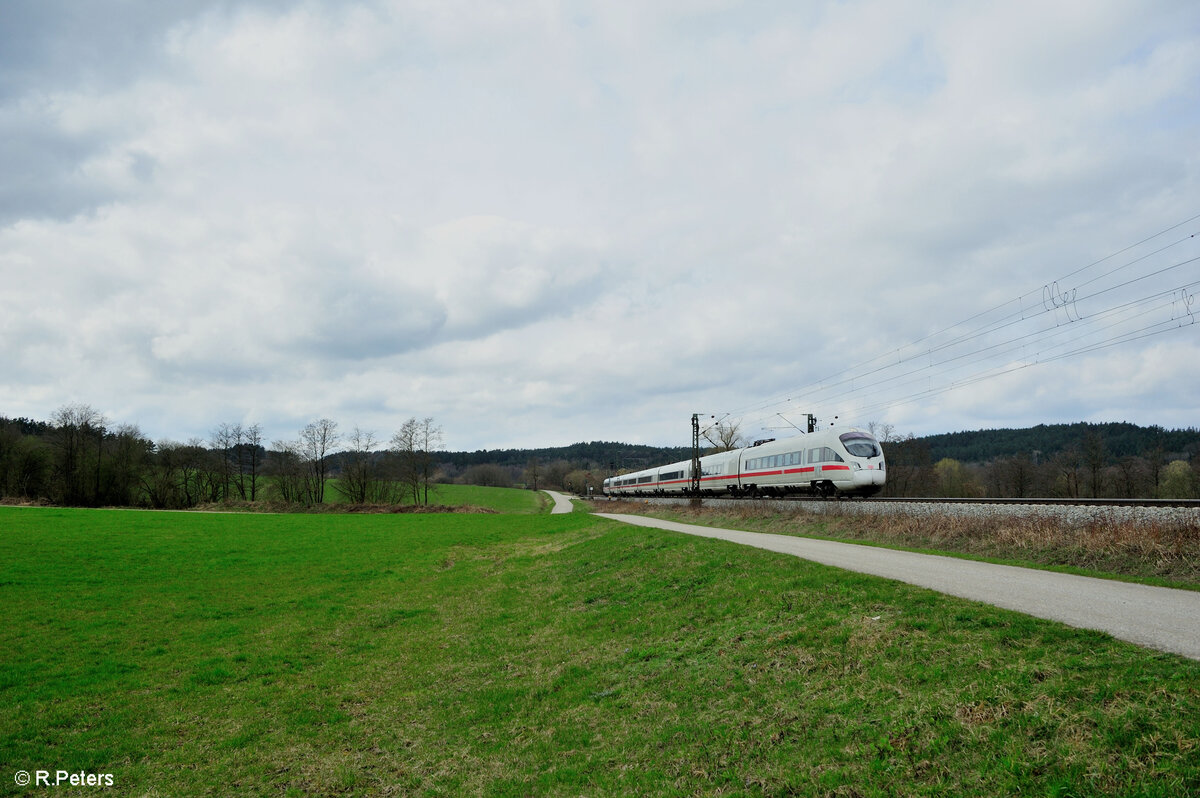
(544, 222)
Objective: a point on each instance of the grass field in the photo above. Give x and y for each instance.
(530, 654)
(500, 500)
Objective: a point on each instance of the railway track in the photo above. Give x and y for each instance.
(1171, 503)
(1184, 511)
(1040, 502)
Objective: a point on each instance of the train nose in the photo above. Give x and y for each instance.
(866, 477)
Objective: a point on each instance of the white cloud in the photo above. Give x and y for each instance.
(543, 223)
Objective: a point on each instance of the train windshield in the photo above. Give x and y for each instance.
(860, 444)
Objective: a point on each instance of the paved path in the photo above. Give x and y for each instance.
(1156, 617)
(561, 503)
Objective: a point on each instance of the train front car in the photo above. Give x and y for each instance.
(865, 460)
(830, 462)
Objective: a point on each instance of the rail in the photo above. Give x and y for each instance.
(1046, 502)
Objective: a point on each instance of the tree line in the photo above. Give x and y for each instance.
(1070, 461)
(80, 458)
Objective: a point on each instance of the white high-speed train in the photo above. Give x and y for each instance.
(837, 461)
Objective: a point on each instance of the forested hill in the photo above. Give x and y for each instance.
(1117, 439)
(596, 454)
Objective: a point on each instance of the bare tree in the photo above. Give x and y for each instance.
(250, 461)
(161, 481)
(487, 475)
(1131, 473)
(430, 437)
(1067, 463)
(317, 441)
(404, 444)
(554, 474)
(79, 438)
(1012, 477)
(725, 436)
(414, 443)
(201, 473)
(225, 440)
(363, 478)
(1096, 455)
(286, 467)
(129, 451)
(909, 467)
(882, 431)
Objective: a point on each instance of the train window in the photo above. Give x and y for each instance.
(830, 456)
(814, 455)
(860, 444)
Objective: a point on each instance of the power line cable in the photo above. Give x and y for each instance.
(1054, 301)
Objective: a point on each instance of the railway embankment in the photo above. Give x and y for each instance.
(1064, 512)
(1156, 545)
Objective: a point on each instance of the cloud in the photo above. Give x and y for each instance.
(543, 223)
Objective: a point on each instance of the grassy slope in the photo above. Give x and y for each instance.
(261, 654)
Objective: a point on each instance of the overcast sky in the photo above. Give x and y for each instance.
(543, 222)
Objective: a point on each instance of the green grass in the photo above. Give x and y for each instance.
(544, 655)
(502, 500)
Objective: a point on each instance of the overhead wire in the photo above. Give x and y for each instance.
(1062, 305)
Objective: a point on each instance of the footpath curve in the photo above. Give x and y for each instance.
(1162, 618)
(561, 503)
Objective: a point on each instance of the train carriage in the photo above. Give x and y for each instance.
(837, 461)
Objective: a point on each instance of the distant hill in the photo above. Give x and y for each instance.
(602, 455)
(1120, 439)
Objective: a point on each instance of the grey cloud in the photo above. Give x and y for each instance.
(41, 172)
(362, 325)
(47, 44)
